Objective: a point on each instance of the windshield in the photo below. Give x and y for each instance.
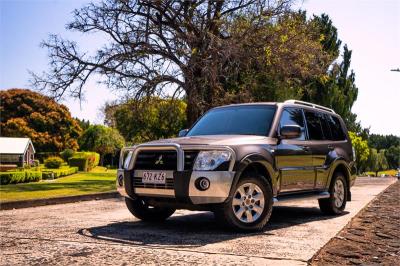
(236, 120)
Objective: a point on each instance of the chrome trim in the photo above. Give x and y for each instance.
(221, 181)
(155, 192)
(220, 185)
(121, 189)
(154, 147)
(313, 105)
(294, 197)
(174, 146)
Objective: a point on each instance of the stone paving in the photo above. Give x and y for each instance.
(372, 237)
(104, 232)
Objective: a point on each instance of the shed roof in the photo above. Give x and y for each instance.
(14, 145)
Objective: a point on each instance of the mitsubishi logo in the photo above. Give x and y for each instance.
(159, 160)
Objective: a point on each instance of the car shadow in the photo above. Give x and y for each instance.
(197, 229)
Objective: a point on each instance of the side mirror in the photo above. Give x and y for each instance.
(290, 132)
(183, 132)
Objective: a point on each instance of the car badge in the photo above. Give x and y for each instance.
(160, 160)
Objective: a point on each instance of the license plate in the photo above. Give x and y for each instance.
(154, 177)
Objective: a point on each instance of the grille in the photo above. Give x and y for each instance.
(169, 184)
(147, 160)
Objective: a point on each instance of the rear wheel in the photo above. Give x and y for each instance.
(250, 207)
(147, 213)
(336, 203)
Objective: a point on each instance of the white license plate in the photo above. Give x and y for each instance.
(154, 177)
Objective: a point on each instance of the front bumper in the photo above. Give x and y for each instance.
(184, 188)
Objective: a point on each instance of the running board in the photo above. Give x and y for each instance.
(301, 196)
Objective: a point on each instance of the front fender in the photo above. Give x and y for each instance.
(265, 160)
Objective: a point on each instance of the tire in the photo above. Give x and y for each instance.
(336, 203)
(258, 204)
(144, 212)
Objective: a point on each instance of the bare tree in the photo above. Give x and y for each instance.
(156, 46)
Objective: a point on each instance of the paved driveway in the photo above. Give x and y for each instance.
(104, 232)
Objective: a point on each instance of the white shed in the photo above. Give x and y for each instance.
(18, 151)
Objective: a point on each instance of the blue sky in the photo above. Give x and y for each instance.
(370, 28)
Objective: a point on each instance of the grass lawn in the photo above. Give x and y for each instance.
(96, 181)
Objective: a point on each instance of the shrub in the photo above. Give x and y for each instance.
(81, 163)
(66, 154)
(19, 177)
(85, 161)
(53, 162)
(36, 163)
(33, 176)
(11, 177)
(52, 174)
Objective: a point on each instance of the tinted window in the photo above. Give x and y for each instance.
(293, 116)
(336, 128)
(314, 126)
(325, 126)
(241, 120)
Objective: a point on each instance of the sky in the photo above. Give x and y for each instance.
(370, 28)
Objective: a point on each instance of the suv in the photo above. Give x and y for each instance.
(240, 160)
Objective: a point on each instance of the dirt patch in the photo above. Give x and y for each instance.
(372, 236)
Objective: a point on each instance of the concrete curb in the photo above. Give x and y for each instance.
(59, 200)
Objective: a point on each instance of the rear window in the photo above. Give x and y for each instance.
(336, 128)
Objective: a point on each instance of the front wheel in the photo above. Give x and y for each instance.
(250, 207)
(336, 203)
(147, 213)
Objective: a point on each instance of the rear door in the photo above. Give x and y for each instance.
(293, 156)
(319, 141)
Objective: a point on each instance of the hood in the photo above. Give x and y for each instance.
(218, 140)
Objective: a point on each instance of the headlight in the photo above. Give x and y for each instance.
(209, 160)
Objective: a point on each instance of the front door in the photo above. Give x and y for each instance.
(293, 156)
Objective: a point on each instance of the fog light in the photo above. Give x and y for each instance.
(202, 183)
(120, 180)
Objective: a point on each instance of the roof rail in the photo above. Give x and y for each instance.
(310, 105)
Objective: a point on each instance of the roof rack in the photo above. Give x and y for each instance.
(310, 105)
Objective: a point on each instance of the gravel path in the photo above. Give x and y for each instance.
(104, 232)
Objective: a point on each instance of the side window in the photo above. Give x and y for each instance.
(325, 126)
(336, 128)
(293, 116)
(314, 126)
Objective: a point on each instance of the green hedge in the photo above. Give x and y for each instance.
(85, 161)
(56, 173)
(81, 163)
(19, 177)
(53, 162)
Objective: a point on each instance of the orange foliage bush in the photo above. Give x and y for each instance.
(25, 113)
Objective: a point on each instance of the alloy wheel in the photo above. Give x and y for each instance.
(248, 202)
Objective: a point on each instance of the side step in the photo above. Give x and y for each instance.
(301, 196)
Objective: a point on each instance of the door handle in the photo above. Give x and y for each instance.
(306, 148)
